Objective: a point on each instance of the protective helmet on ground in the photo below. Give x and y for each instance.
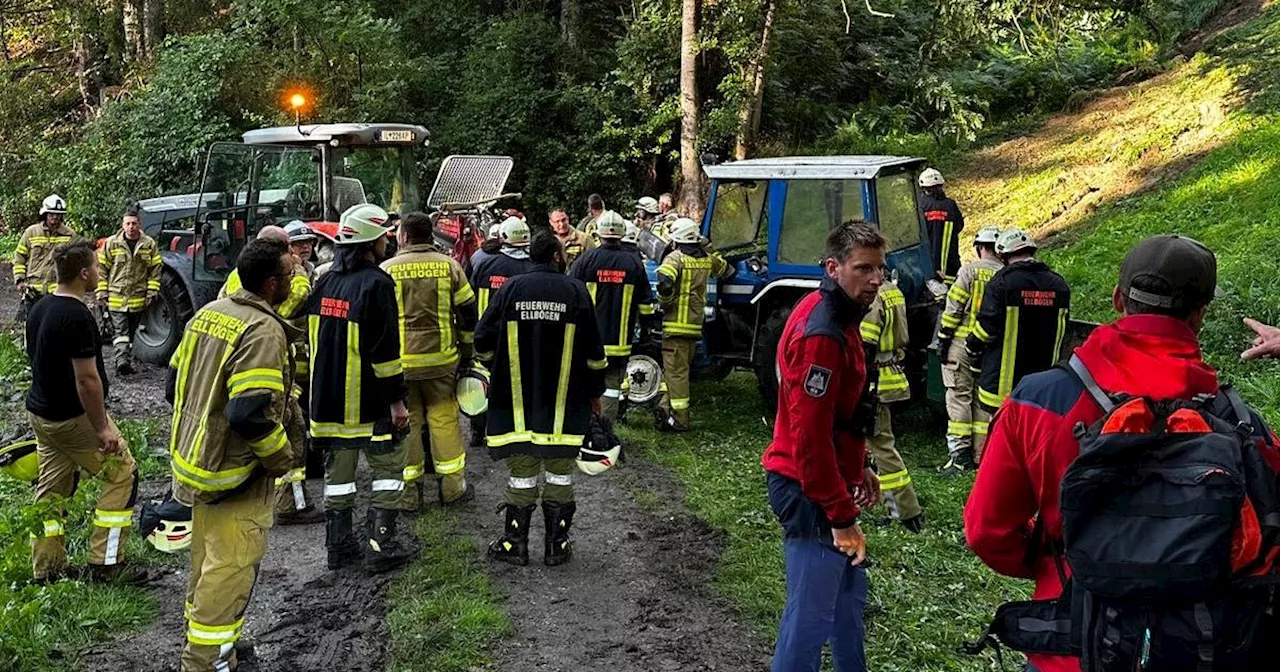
(1014, 240)
(649, 205)
(166, 523)
(515, 232)
(362, 223)
(299, 232)
(632, 235)
(53, 203)
(472, 391)
(601, 448)
(987, 234)
(684, 230)
(19, 461)
(610, 225)
(931, 178)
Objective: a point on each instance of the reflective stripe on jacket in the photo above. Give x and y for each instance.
(620, 292)
(291, 310)
(33, 257)
(541, 344)
(489, 275)
(944, 222)
(232, 371)
(885, 329)
(128, 278)
(578, 242)
(964, 299)
(431, 294)
(1019, 329)
(682, 288)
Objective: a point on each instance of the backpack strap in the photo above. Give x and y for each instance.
(1082, 372)
(1244, 419)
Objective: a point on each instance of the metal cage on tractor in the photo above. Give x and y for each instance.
(276, 175)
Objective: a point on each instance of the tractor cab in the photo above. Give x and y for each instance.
(770, 218)
(276, 175)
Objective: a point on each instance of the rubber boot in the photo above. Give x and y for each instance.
(384, 552)
(338, 539)
(513, 546)
(558, 518)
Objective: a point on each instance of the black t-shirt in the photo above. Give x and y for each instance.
(60, 329)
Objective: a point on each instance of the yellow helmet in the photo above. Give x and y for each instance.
(472, 391)
(19, 461)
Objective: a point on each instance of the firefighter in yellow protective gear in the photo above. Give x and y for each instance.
(229, 384)
(128, 281)
(575, 242)
(292, 507)
(66, 406)
(437, 310)
(967, 420)
(33, 270)
(884, 334)
(682, 292)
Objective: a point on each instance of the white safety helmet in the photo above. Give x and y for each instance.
(54, 204)
(600, 450)
(299, 232)
(931, 178)
(514, 232)
(362, 223)
(649, 205)
(472, 391)
(495, 231)
(632, 235)
(1014, 240)
(684, 230)
(610, 225)
(987, 234)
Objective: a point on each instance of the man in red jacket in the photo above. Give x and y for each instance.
(816, 465)
(1166, 284)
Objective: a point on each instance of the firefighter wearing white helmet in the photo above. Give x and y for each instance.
(621, 295)
(944, 221)
(682, 291)
(492, 243)
(33, 270)
(967, 421)
(631, 238)
(646, 212)
(358, 391)
(1021, 323)
(490, 274)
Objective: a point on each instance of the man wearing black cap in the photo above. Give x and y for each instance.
(1165, 286)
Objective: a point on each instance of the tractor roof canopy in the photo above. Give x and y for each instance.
(353, 135)
(810, 167)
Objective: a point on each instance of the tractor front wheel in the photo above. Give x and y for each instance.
(765, 357)
(162, 324)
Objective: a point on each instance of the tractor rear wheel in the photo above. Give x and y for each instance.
(163, 322)
(765, 357)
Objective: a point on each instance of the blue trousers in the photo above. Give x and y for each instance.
(826, 595)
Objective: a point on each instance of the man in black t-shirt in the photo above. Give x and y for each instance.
(66, 406)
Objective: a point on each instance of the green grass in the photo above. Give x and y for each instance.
(928, 594)
(444, 613)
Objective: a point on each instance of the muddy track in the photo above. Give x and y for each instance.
(636, 596)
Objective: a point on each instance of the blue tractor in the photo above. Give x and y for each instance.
(770, 218)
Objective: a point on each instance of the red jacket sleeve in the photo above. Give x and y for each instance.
(813, 428)
(1003, 502)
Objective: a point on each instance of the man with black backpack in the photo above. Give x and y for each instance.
(1134, 480)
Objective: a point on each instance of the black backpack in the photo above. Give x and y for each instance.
(1150, 509)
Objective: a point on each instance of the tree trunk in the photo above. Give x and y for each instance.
(570, 19)
(132, 19)
(690, 167)
(88, 76)
(749, 113)
(153, 25)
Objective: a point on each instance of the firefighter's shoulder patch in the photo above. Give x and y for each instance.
(817, 380)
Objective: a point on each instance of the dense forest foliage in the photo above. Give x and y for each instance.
(103, 100)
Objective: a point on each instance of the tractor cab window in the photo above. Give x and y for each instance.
(897, 211)
(812, 209)
(384, 176)
(739, 209)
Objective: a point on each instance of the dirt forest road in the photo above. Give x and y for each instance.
(635, 598)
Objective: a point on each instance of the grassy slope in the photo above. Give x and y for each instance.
(1204, 153)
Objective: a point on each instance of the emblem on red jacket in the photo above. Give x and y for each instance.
(816, 380)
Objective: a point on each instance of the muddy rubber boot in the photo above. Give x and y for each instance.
(513, 546)
(384, 552)
(558, 518)
(338, 539)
